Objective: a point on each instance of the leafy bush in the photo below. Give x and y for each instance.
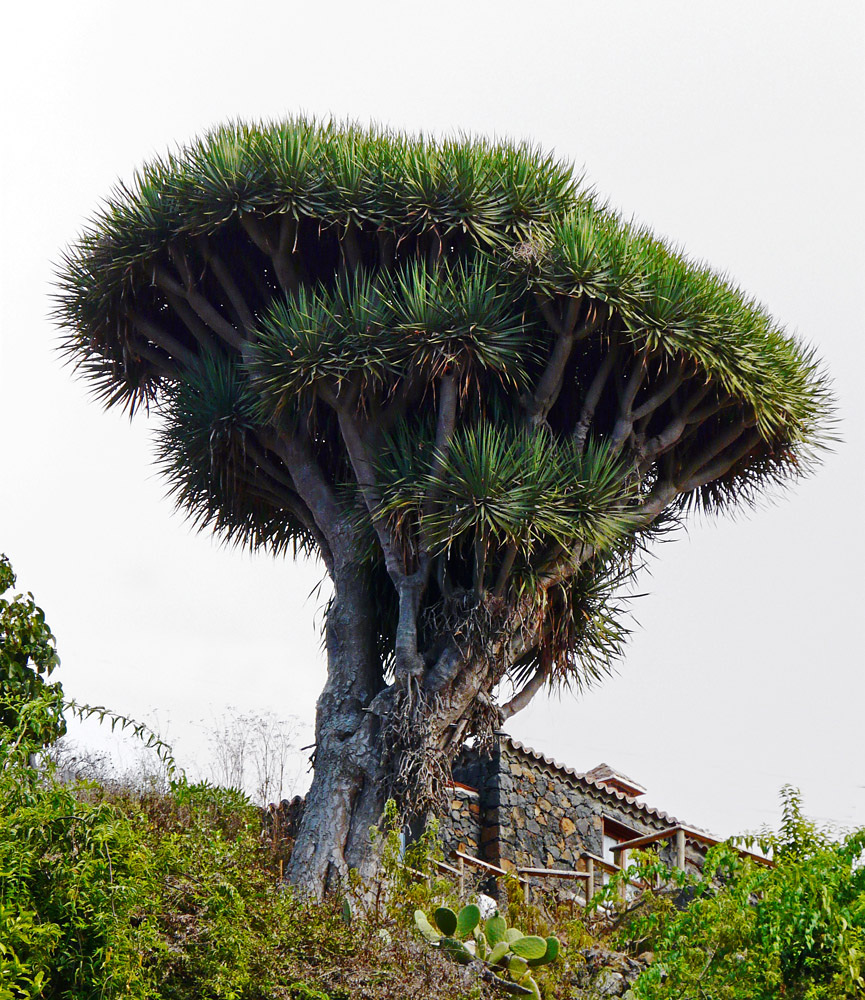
(796, 930)
(28, 704)
(144, 895)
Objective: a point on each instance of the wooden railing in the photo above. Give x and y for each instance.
(682, 835)
(527, 876)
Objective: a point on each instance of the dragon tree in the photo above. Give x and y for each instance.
(467, 385)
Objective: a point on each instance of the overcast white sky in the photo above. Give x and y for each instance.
(734, 127)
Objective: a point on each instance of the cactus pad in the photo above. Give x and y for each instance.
(469, 917)
(550, 955)
(529, 947)
(425, 927)
(446, 920)
(495, 929)
(498, 953)
(456, 950)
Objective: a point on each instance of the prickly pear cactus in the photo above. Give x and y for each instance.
(509, 956)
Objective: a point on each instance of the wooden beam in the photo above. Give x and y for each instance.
(602, 863)
(553, 872)
(690, 834)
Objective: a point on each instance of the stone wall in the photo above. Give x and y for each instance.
(546, 820)
(535, 814)
(461, 824)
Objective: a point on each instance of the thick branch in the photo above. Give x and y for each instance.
(662, 393)
(229, 286)
(312, 487)
(277, 249)
(199, 331)
(364, 472)
(550, 383)
(672, 434)
(203, 309)
(163, 363)
(562, 326)
(521, 699)
(627, 394)
(286, 492)
(593, 396)
(727, 460)
(505, 570)
(148, 329)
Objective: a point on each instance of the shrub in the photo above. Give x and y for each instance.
(796, 930)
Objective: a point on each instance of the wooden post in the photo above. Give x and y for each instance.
(527, 891)
(590, 881)
(680, 849)
(462, 879)
(623, 864)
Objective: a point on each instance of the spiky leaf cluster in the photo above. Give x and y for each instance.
(218, 473)
(672, 306)
(376, 329)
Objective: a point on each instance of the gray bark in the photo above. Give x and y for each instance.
(346, 796)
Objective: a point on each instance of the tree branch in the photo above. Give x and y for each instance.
(662, 394)
(550, 383)
(148, 329)
(226, 281)
(203, 309)
(292, 500)
(522, 698)
(627, 394)
(593, 396)
(364, 473)
(277, 250)
(671, 435)
(704, 471)
(505, 570)
(163, 363)
(312, 487)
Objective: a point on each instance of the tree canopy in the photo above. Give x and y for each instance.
(447, 365)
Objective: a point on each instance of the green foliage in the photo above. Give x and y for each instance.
(373, 329)
(510, 385)
(506, 953)
(149, 895)
(446, 921)
(672, 304)
(754, 932)
(29, 705)
(206, 448)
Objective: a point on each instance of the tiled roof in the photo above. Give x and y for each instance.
(595, 785)
(609, 775)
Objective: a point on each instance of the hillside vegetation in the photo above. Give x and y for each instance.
(160, 888)
(175, 892)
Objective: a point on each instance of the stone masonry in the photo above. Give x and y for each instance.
(518, 808)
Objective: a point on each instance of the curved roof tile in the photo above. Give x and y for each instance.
(627, 800)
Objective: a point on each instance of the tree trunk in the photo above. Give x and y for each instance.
(346, 796)
(373, 739)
